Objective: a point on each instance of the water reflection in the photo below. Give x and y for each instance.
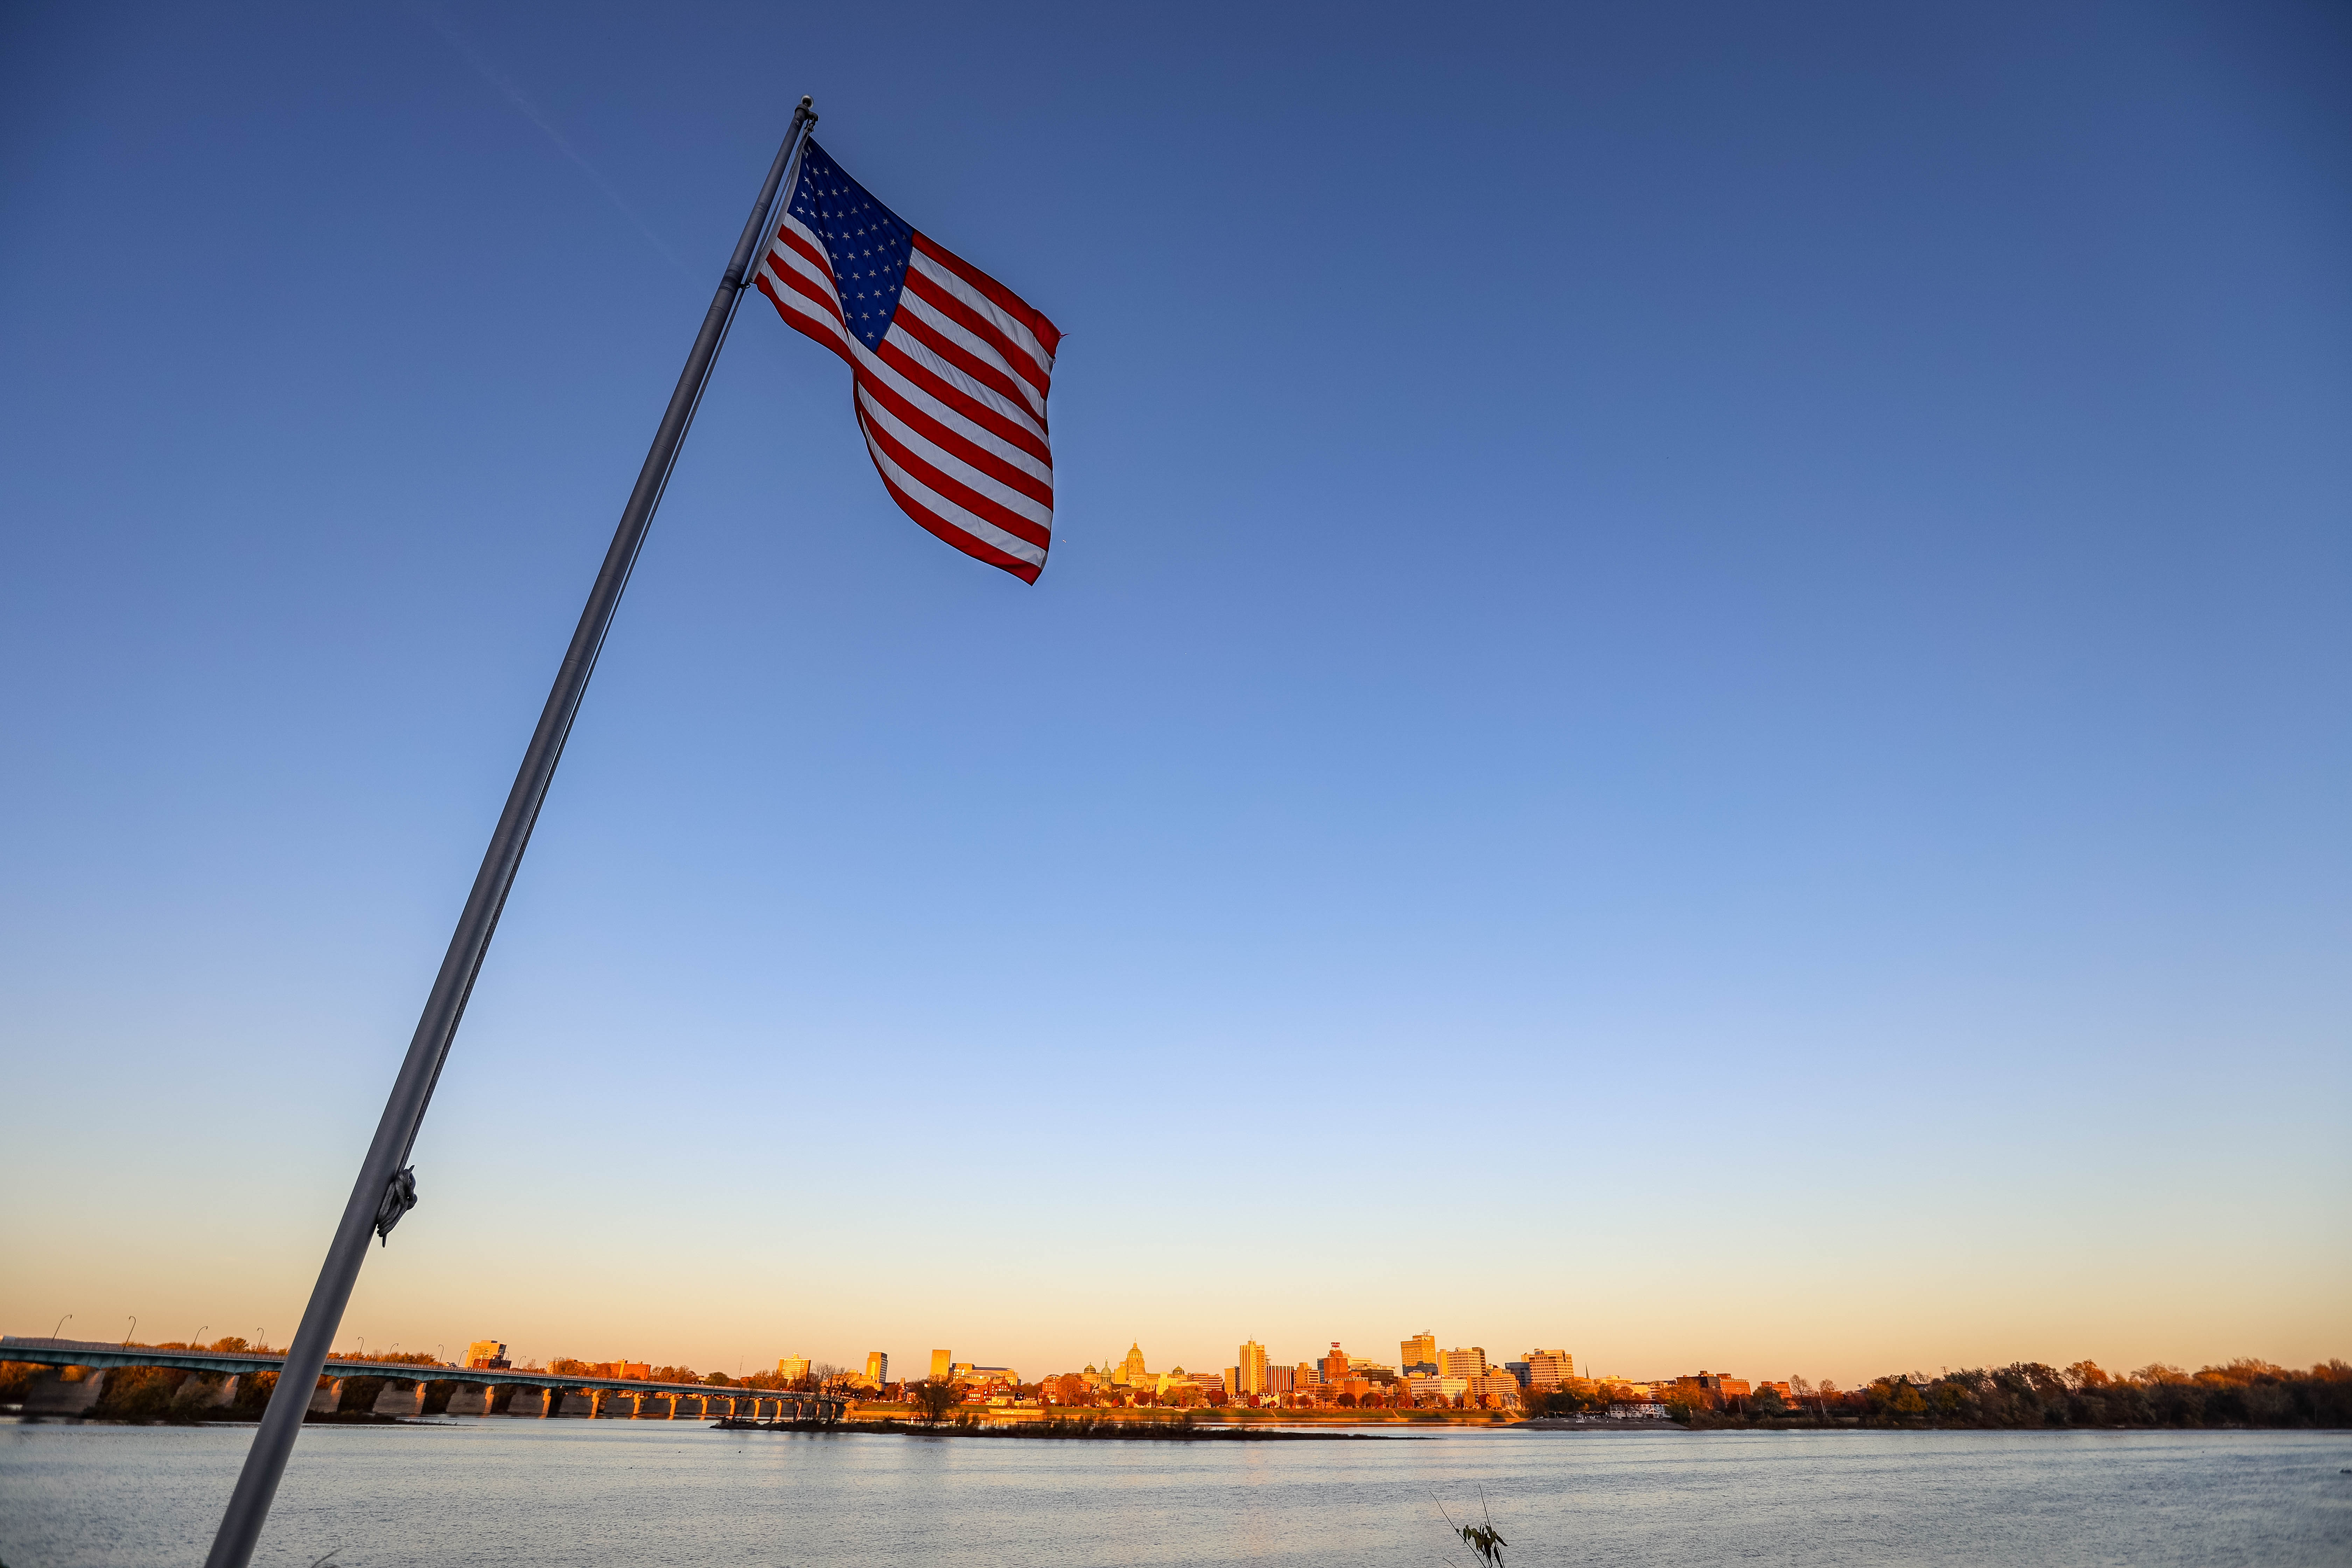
(652, 1493)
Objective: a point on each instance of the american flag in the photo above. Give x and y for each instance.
(951, 366)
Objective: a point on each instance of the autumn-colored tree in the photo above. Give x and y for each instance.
(1895, 1399)
(935, 1396)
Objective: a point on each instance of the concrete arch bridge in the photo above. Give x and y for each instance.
(472, 1391)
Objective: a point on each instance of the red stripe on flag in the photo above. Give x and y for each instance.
(956, 490)
(963, 447)
(947, 532)
(991, 376)
(1018, 360)
(989, 419)
(802, 324)
(815, 252)
(798, 282)
(1049, 336)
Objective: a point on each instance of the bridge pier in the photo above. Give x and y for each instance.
(527, 1404)
(328, 1397)
(55, 1393)
(577, 1405)
(400, 1397)
(203, 1391)
(470, 1399)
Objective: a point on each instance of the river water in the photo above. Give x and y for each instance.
(655, 1493)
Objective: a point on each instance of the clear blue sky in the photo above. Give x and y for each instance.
(1690, 702)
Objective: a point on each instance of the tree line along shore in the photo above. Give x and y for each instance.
(2243, 1393)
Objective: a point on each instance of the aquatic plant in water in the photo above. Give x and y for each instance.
(1483, 1538)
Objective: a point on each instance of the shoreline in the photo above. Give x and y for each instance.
(1174, 1432)
(1054, 1431)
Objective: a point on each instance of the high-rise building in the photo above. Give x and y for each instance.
(487, 1353)
(877, 1367)
(1419, 1350)
(1431, 1387)
(1471, 1363)
(793, 1367)
(1281, 1379)
(940, 1361)
(1499, 1387)
(1251, 1368)
(1549, 1369)
(1334, 1367)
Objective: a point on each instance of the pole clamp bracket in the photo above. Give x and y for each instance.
(399, 1197)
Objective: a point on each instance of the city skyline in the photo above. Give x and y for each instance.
(1760, 783)
(1451, 1361)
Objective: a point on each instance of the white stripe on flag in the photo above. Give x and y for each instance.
(948, 512)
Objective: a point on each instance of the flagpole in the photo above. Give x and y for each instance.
(386, 1189)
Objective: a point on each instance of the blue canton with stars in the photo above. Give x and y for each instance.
(867, 243)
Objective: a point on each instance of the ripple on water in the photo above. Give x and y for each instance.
(652, 1493)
